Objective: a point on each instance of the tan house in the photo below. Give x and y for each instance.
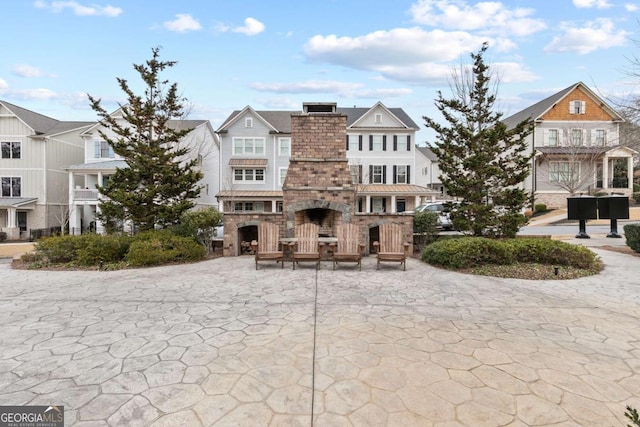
(576, 146)
(34, 152)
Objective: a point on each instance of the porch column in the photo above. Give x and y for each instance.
(393, 204)
(99, 179)
(605, 172)
(12, 221)
(74, 219)
(630, 173)
(367, 205)
(417, 201)
(99, 227)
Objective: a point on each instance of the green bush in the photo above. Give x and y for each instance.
(632, 235)
(540, 207)
(469, 252)
(161, 247)
(636, 196)
(59, 249)
(110, 248)
(551, 252)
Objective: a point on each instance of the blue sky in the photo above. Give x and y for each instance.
(278, 54)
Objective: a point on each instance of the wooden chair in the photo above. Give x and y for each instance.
(347, 248)
(266, 248)
(305, 248)
(390, 246)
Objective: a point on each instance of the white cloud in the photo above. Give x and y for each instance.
(251, 27)
(598, 34)
(511, 72)
(3, 84)
(630, 7)
(489, 16)
(344, 89)
(600, 4)
(39, 93)
(78, 9)
(24, 70)
(183, 22)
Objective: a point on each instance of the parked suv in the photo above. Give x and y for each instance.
(442, 209)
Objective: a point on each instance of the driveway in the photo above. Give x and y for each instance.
(219, 343)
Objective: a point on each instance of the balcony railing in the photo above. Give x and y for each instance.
(85, 194)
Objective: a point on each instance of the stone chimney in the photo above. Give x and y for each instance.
(318, 176)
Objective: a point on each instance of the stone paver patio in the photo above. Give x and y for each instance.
(218, 343)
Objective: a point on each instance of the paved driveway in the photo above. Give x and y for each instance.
(217, 343)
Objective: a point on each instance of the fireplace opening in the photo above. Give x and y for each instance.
(246, 235)
(326, 219)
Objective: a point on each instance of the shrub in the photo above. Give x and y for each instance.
(469, 252)
(95, 248)
(632, 235)
(3, 236)
(161, 247)
(636, 197)
(58, 249)
(540, 207)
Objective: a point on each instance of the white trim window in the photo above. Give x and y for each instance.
(377, 204)
(377, 143)
(600, 137)
(377, 119)
(576, 137)
(402, 174)
(11, 149)
(564, 172)
(248, 146)
(377, 174)
(103, 150)
(284, 146)
(355, 142)
(248, 207)
(11, 186)
(248, 122)
(401, 143)
(248, 175)
(577, 107)
(552, 138)
(282, 174)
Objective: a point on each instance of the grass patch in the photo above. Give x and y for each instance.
(534, 271)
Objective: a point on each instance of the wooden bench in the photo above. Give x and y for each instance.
(347, 248)
(390, 246)
(267, 246)
(305, 248)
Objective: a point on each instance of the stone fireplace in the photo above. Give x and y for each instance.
(318, 187)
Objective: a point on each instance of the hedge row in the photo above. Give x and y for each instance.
(469, 252)
(143, 249)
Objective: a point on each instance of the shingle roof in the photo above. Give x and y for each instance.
(281, 120)
(428, 153)
(105, 165)
(9, 202)
(36, 121)
(62, 127)
(536, 110)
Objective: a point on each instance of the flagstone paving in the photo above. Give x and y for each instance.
(219, 343)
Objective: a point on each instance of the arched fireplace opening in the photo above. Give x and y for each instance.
(246, 235)
(326, 219)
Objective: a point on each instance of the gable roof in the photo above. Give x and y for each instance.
(537, 110)
(280, 120)
(428, 153)
(36, 121)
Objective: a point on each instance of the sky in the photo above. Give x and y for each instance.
(277, 54)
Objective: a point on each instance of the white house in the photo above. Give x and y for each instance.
(100, 162)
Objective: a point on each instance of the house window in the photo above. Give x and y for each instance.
(11, 150)
(248, 146)
(576, 137)
(553, 137)
(284, 146)
(248, 175)
(248, 122)
(376, 143)
(564, 172)
(377, 118)
(577, 107)
(354, 142)
(601, 137)
(377, 174)
(248, 207)
(401, 143)
(103, 150)
(377, 204)
(279, 206)
(11, 186)
(401, 174)
(356, 173)
(283, 174)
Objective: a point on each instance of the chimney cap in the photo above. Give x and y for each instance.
(319, 107)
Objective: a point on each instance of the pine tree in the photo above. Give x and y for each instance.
(160, 180)
(481, 160)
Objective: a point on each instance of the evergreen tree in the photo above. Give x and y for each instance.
(481, 160)
(160, 180)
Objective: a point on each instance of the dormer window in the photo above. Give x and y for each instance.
(248, 122)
